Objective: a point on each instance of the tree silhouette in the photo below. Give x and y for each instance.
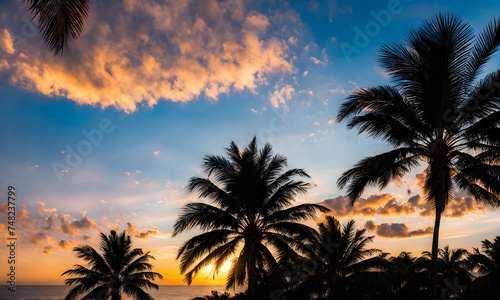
(250, 211)
(340, 264)
(437, 112)
(487, 286)
(119, 269)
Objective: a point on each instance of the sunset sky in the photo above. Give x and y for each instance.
(154, 86)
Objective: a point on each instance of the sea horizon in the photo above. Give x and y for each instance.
(57, 292)
(4, 285)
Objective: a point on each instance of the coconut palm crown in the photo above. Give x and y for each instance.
(117, 269)
(249, 217)
(438, 111)
(339, 262)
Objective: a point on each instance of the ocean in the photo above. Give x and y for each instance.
(58, 292)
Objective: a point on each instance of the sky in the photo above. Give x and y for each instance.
(108, 135)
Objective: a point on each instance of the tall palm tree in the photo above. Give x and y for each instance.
(250, 212)
(438, 112)
(59, 20)
(487, 286)
(118, 269)
(340, 263)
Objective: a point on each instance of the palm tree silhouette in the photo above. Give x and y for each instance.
(118, 269)
(58, 20)
(407, 275)
(453, 269)
(437, 112)
(487, 286)
(342, 263)
(251, 197)
(214, 295)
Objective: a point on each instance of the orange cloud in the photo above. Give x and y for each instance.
(148, 51)
(3, 209)
(462, 205)
(48, 249)
(24, 219)
(73, 227)
(256, 20)
(6, 42)
(396, 230)
(40, 237)
(373, 204)
(67, 244)
(420, 180)
(42, 210)
(387, 205)
(50, 222)
(142, 235)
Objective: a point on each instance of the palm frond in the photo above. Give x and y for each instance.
(485, 45)
(295, 213)
(379, 169)
(205, 217)
(59, 20)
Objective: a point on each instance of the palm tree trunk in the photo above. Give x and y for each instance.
(252, 278)
(435, 249)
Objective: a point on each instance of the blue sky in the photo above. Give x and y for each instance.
(283, 75)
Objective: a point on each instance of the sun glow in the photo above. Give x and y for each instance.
(223, 269)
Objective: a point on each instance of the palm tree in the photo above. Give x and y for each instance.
(339, 263)
(250, 211)
(487, 286)
(58, 20)
(406, 276)
(437, 112)
(118, 269)
(453, 268)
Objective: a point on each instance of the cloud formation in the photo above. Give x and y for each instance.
(42, 210)
(3, 208)
(141, 234)
(50, 244)
(49, 231)
(279, 97)
(139, 52)
(387, 205)
(376, 204)
(67, 244)
(73, 227)
(396, 230)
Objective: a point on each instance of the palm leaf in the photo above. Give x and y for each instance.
(58, 20)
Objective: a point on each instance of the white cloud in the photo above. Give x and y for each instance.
(315, 60)
(278, 97)
(338, 90)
